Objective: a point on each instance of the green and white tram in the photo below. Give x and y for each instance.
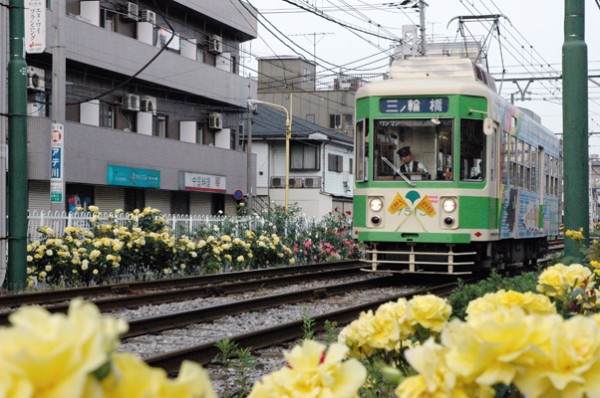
(448, 174)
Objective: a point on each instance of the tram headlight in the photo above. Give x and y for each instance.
(376, 204)
(449, 205)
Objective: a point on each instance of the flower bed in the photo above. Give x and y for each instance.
(145, 247)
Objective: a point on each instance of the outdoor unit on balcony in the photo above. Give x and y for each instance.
(215, 44)
(36, 78)
(131, 11)
(311, 182)
(148, 104)
(148, 16)
(277, 182)
(131, 102)
(295, 182)
(215, 121)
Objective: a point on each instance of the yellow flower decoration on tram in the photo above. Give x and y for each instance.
(430, 311)
(313, 371)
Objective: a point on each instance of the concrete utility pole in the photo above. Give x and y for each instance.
(422, 28)
(575, 126)
(59, 64)
(17, 149)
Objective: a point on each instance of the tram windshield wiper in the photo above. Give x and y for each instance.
(397, 170)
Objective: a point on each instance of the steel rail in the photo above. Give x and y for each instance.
(154, 298)
(205, 353)
(156, 324)
(53, 296)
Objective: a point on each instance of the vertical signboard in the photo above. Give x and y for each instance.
(57, 157)
(35, 26)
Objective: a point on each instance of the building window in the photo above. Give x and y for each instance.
(107, 20)
(335, 163)
(107, 115)
(350, 168)
(348, 120)
(160, 126)
(304, 157)
(335, 121)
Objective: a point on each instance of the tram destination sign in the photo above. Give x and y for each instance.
(413, 105)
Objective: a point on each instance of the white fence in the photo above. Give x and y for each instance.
(180, 224)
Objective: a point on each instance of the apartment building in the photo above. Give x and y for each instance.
(153, 104)
(327, 101)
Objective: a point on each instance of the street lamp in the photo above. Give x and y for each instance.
(288, 134)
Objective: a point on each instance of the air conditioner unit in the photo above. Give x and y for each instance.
(132, 11)
(148, 16)
(215, 44)
(295, 182)
(36, 109)
(36, 78)
(148, 104)
(277, 182)
(215, 121)
(310, 182)
(131, 102)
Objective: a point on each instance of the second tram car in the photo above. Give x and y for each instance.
(482, 182)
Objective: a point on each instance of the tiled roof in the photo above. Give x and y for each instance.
(269, 123)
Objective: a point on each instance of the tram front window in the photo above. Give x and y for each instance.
(418, 149)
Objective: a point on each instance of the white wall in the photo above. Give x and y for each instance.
(261, 150)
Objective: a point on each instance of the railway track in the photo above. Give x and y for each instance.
(129, 295)
(204, 353)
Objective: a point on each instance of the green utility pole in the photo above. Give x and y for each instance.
(17, 149)
(575, 126)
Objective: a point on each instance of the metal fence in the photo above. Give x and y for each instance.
(180, 224)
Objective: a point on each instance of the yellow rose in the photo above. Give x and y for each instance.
(551, 281)
(314, 370)
(572, 367)
(429, 311)
(56, 352)
(435, 379)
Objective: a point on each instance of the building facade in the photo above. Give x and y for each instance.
(329, 105)
(153, 104)
(320, 163)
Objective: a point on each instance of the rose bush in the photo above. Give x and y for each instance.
(144, 247)
(45, 355)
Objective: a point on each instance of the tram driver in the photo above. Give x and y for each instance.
(409, 165)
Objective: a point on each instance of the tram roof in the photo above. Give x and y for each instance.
(432, 75)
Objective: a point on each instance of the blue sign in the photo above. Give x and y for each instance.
(133, 177)
(413, 105)
(55, 162)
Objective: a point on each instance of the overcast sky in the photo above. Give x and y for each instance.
(531, 38)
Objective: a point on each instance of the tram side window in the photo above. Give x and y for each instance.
(505, 158)
(547, 173)
(534, 162)
(361, 145)
(514, 172)
(472, 150)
